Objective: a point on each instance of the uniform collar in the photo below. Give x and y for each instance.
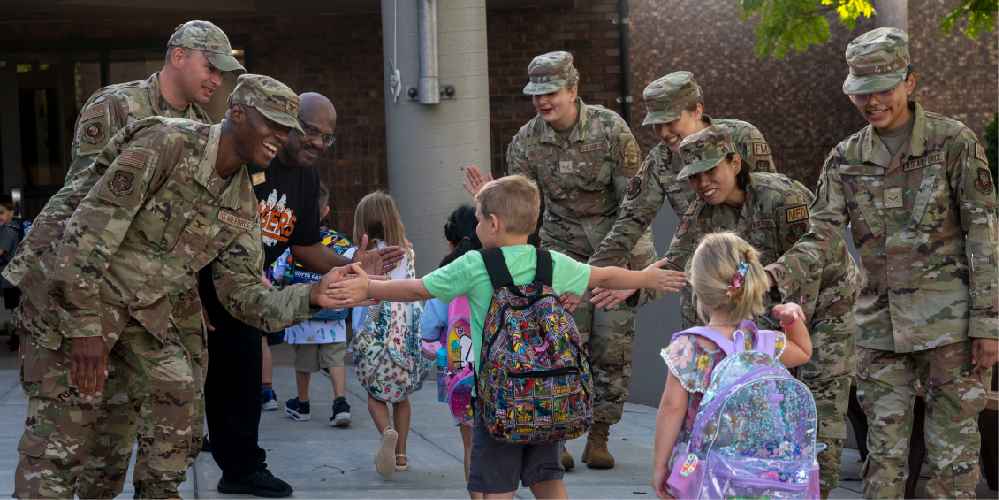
(575, 134)
(160, 104)
(874, 151)
(224, 192)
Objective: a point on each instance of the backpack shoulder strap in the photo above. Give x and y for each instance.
(499, 274)
(723, 342)
(766, 340)
(543, 272)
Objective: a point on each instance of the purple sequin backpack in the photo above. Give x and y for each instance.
(754, 434)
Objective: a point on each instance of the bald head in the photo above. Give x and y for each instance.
(319, 118)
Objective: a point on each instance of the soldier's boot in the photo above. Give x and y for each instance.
(567, 462)
(596, 455)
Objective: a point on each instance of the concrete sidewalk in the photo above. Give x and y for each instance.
(324, 462)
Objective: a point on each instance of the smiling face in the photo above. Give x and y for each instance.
(893, 113)
(558, 108)
(199, 78)
(717, 184)
(316, 115)
(676, 131)
(258, 138)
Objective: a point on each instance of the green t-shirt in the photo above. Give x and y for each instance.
(467, 276)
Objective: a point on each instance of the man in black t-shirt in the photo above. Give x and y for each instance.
(288, 193)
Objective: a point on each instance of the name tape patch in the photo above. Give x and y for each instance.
(761, 149)
(232, 220)
(593, 147)
(762, 223)
(922, 162)
(797, 213)
(259, 178)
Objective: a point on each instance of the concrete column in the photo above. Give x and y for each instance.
(429, 144)
(891, 14)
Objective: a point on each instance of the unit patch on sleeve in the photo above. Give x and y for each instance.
(797, 213)
(761, 149)
(983, 182)
(94, 131)
(795, 232)
(762, 166)
(634, 188)
(121, 183)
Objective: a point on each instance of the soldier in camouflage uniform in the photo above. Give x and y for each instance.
(770, 211)
(922, 208)
(173, 197)
(583, 158)
(197, 55)
(675, 110)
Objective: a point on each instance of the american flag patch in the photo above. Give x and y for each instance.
(92, 112)
(132, 158)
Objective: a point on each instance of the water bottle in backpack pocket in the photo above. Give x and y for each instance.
(754, 433)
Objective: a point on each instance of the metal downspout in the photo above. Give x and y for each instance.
(429, 85)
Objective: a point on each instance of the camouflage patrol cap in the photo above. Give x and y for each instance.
(272, 98)
(667, 97)
(705, 149)
(210, 40)
(878, 61)
(549, 72)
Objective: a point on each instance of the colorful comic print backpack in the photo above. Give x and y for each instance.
(387, 350)
(754, 433)
(534, 383)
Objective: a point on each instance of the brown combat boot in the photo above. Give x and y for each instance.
(567, 462)
(596, 455)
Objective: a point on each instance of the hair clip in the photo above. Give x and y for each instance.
(734, 292)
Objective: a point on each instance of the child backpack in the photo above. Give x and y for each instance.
(754, 433)
(460, 379)
(534, 383)
(388, 356)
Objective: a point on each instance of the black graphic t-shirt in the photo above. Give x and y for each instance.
(288, 199)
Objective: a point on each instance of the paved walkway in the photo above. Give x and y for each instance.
(324, 462)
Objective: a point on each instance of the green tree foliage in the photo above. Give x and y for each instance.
(786, 24)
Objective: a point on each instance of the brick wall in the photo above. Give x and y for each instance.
(515, 36)
(798, 103)
(955, 76)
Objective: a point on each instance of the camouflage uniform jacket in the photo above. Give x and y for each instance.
(925, 226)
(157, 216)
(106, 112)
(656, 181)
(772, 218)
(584, 177)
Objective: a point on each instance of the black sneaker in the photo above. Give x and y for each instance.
(260, 483)
(341, 413)
(297, 409)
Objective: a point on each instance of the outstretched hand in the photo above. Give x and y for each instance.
(475, 179)
(570, 302)
(788, 312)
(606, 299)
(378, 260)
(664, 280)
(349, 291)
(319, 293)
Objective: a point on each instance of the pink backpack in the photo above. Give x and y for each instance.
(459, 380)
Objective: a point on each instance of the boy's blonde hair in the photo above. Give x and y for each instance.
(514, 199)
(377, 217)
(711, 270)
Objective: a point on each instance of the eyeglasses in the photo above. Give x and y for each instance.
(313, 133)
(883, 97)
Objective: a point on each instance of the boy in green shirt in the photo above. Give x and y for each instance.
(507, 210)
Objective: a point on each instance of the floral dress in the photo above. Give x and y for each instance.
(692, 365)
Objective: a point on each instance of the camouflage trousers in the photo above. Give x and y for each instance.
(106, 467)
(954, 397)
(61, 429)
(609, 337)
(829, 307)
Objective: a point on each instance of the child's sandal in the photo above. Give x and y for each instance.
(403, 466)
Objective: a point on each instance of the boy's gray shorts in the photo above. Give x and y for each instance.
(500, 468)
